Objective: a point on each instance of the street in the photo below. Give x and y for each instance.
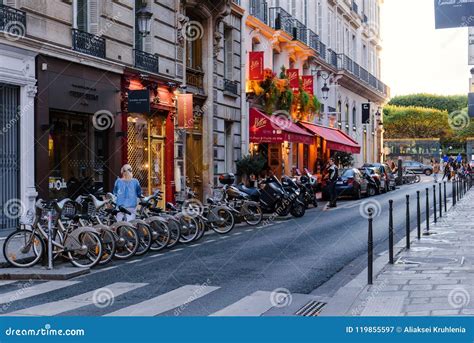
(243, 273)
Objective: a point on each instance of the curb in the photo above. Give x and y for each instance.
(41, 273)
(344, 298)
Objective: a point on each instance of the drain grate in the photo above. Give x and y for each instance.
(427, 260)
(311, 309)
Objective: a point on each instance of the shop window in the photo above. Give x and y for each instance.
(306, 156)
(77, 155)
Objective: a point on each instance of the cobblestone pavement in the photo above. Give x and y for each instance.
(434, 278)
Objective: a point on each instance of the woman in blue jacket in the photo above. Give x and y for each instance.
(127, 190)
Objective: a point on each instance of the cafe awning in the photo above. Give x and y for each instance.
(335, 139)
(276, 129)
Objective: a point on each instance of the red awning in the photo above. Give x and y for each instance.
(276, 129)
(335, 139)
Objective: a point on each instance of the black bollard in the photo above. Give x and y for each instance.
(440, 202)
(407, 222)
(390, 231)
(418, 215)
(454, 193)
(370, 250)
(445, 199)
(427, 232)
(434, 203)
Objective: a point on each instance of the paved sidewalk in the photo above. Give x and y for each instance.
(434, 278)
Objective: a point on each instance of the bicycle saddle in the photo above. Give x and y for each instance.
(97, 203)
(170, 206)
(60, 204)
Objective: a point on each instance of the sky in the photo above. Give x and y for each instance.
(416, 58)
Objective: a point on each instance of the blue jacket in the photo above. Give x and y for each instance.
(127, 192)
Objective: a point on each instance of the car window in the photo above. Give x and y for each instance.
(348, 173)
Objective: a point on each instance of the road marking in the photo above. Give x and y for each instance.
(165, 302)
(248, 230)
(254, 304)
(134, 261)
(175, 250)
(3, 283)
(157, 255)
(30, 291)
(195, 245)
(209, 241)
(237, 233)
(104, 294)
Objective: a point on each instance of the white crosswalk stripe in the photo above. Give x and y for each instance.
(254, 304)
(56, 307)
(27, 290)
(3, 283)
(165, 302)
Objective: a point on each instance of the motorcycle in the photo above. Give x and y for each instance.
(308, 186)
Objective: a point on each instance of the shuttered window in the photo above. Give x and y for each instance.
(82, 15)
(229, 53)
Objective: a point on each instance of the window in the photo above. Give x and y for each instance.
(354, 116)
(228, 54)
(229, 146)
(354, 47)
(339, 110)
(86, 16)
(347, 117)
(194, 53)
(330, 27)
(339, 37)
(82, 15)
(320, 20)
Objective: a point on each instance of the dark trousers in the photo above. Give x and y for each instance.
(332, 193)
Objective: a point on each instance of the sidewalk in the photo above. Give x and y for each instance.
(434, 278)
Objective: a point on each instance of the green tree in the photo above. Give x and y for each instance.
(448, 103)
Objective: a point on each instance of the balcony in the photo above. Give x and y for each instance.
(300, 32)
(362, 74)
(146, 61)
(88, 43)
(281, 20)
(333, 58)
(12, 21)
(259, 9)
(195, 78)
(322, 50)
(231, 87)
(313, 40)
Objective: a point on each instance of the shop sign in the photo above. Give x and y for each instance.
(256, 66)
(365, 113)
(185, 111)
(293, 78)
(453, 13)
(139, 101)
(57, 183)
(471, 47)
(308, 84)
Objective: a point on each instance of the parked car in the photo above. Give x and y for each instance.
(379, 179)
(386, 172)
(417, 167)
(352, 183)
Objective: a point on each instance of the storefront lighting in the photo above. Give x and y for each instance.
(325, 91)
(255, 147)
(144, 21)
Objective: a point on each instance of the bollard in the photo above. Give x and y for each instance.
(440, 202)
(454, 193)
(390, 231)
(407, 222)
(370, 249)
(418, 215)
(427, 232)
(434, 204)
(50, 240)
(445, 199)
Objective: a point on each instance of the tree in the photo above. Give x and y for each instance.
(250, 165)
(416, 122)
(344, 159)
(448, 103)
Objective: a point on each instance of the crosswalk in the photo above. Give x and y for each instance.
(119, 299)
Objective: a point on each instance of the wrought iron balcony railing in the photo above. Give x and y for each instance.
(313, 40)
(12, 21)
(259, 9)
(355, 7)
(281, 20)
(322, 50)
(231, 87)
(365, 19)
(300, 32)
(146, 61)
(195, 78)
(88, 43)
(333, 58)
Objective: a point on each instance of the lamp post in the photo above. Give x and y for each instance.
(144, 21)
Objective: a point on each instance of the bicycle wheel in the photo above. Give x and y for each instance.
(254, 215)
(225, 222)
(90, 251)
(161, 233)
(126, 241)
(417, 178)
(23, 248)
(144, 238)
(201, 227)
(189, 229)
(108, 246)
(175, 232)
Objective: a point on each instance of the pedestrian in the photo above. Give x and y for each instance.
(332, 176)
(459, 158)
(127, 190)
(436, 170)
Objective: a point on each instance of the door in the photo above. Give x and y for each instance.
(9, 156)
(194, 163)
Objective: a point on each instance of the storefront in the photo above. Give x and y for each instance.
(77, 128)
(148, 140)
(17, 95)
(274, 139)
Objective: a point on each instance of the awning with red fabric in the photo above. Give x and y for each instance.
(335, 139)
(276, 129)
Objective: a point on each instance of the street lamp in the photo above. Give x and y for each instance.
(144, 21)
(325, 91)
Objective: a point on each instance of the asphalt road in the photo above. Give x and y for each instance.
(243, 267)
